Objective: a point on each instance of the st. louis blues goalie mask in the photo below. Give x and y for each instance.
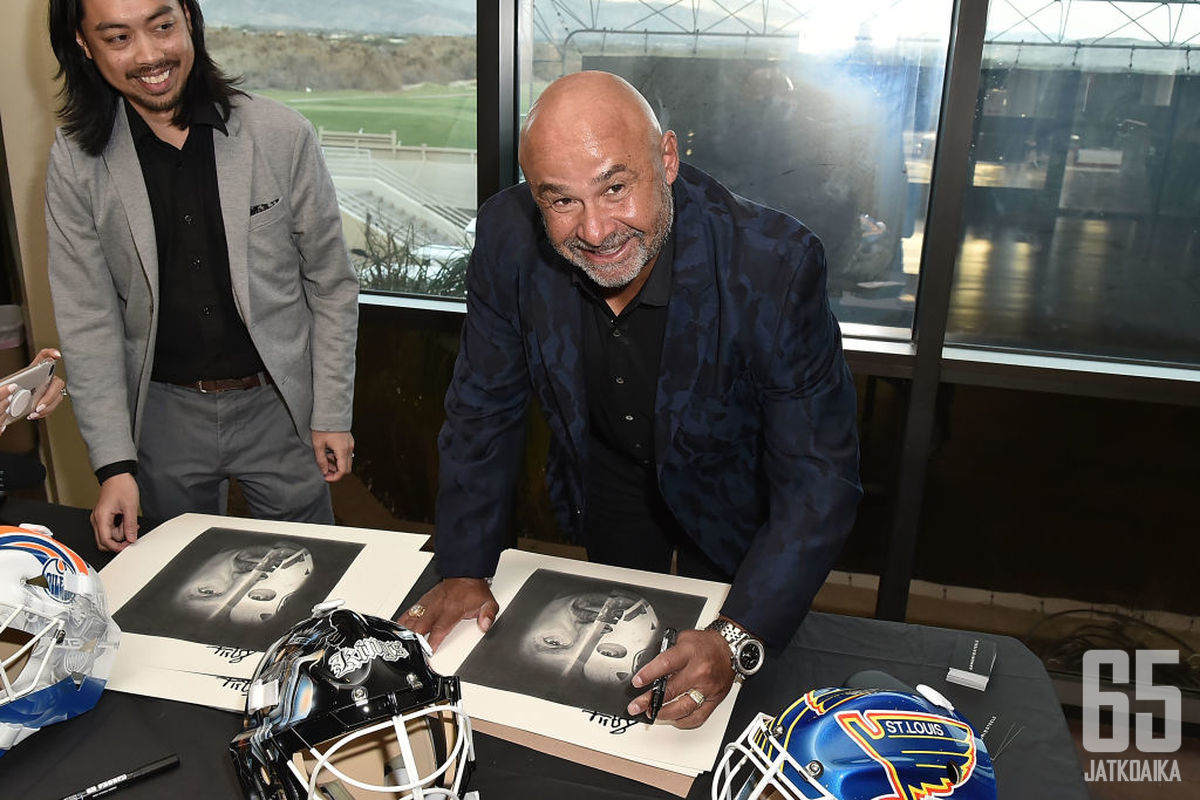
(857, 744)
(345, 706)
(57, 641)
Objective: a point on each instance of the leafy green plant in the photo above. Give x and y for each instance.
(395, 260)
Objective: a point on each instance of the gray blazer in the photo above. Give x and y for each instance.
(292, 280)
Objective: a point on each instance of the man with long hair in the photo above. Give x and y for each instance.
(202, 288)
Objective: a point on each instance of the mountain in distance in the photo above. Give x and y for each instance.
(454, 17)
(399, 17)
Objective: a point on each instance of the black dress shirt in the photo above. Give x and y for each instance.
(621, 355)
(200, 334)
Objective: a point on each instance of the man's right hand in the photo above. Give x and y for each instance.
(444, 605)
(114, 519)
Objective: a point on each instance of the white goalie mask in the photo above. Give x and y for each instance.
(57, 640)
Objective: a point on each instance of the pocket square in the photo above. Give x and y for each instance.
(261, 207)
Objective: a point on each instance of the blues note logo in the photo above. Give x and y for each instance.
(937, 753)
(923, 755)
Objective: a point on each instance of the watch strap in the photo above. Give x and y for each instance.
(731, 632)
(734, 635)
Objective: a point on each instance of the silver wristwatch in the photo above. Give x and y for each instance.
(746, 653)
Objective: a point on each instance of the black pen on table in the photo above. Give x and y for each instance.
(659, 687)
(125, 778)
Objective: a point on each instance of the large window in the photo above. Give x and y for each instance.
(1081, 221)
(392, 95)
(827, 111)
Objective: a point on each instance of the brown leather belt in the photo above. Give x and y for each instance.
(226, 384)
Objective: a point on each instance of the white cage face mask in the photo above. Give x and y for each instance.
(28, 641)
(747, 772)
(401, 758)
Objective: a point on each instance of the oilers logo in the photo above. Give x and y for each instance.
(60, 566)
(55, 585)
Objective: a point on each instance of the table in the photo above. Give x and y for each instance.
(124, 731)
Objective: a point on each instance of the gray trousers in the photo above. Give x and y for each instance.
(192, 444)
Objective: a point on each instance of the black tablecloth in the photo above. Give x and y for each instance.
(124, 731)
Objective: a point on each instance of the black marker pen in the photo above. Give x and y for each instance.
(114, 783)
(660, 684)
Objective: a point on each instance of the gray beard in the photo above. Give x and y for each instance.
(646, 251)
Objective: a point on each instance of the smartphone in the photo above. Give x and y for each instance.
(31, 383)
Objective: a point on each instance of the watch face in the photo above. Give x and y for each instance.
(749, 657)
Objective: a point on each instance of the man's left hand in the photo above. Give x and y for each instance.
(334, 451)
(699, 667)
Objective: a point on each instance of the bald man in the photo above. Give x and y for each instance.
(680, 344)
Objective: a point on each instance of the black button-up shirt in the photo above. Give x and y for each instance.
(200, 334)
(621, 355)
(620, 360)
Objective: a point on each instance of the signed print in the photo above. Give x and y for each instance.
(577, 640)
(201, 596)
(237, 589)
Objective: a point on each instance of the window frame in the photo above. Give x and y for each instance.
(923, 359)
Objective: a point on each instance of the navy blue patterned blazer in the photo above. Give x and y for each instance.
(755, 437)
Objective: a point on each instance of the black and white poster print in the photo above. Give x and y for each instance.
(549, 666)
(201, 596)
(578, 640)
(237, 588)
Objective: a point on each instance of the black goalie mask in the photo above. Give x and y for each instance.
(345, 706)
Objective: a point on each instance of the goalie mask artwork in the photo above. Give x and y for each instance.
(248, 584)
(345, 705)
(602, 637)
(57, 640)
(858, 744)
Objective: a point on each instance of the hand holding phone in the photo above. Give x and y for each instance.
(21, 392)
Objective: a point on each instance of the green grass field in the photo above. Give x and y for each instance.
(434, 115)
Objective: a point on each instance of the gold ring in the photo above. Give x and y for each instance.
(697, 697)
(417, 610)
